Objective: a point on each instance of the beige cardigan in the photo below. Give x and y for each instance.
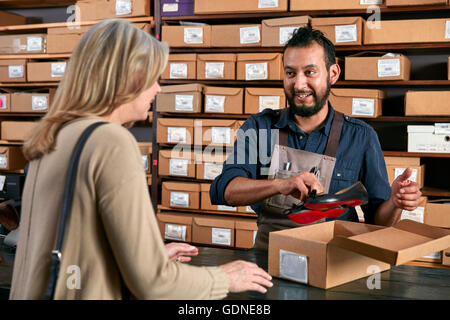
(112, 231)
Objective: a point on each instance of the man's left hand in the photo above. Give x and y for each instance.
(405, 193)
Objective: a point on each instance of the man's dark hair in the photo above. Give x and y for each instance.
(303, 37)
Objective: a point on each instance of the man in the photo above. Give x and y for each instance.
(345, 150)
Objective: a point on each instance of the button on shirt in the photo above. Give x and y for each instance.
(358, 158)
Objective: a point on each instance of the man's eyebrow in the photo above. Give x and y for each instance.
(312, 65)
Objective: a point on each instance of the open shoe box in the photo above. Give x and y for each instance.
(328, 254)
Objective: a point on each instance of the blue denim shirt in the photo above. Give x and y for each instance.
(358, 158)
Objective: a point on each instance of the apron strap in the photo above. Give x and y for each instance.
(335, 134)
(283, 133)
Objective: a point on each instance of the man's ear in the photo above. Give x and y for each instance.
(334, 73)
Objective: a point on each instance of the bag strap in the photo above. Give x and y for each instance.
(66, 207)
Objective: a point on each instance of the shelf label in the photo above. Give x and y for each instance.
(179, 199)
(58, 69)
(3, 161)
(215, 103)
(178, 70)
(221, 236)
(176, 135)
(15, 72)
(211, 171)
(175, 232)
(269, 102)
(193, 35)
(256, 71)
(214, 70)
(123, 7)
(178, 167)
(363, 107)
(184, 102)
(286, 34)
(388, 67)
(249, 35)
(220, 135)
(263, 4)
(39, 103)
(34, 44)
(345, 33)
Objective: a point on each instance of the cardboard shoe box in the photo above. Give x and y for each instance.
(206, 201)
(220, 66)
(306, 5)
(235, 6)
(259, 66)
(406, 3)
(23, 43)
(13, 70)
(209, 166)
(187, 36)
(446, 257)
(11, 158)
(448, 68)
(377, 67)
(175, 226)
(340, 30)
(236, 35)
(396, 165)
(11, 19)
(175, 8)
(361, 103)
(437, 213)
(181, 66)
(417, 214)
(175, 131)
(177, 163)
(258, 99)
(427, 103)
(180, 195)
(432, 139)
(215, 132)
(213, 230)
(5, 102)
(46, 71)
(104, 9)
(180, 98)
(328, 254)
(146, 155)
(30, 102)
(16, 130)
(276, 32)
(246, 230)
(408, 31)
(224, 100)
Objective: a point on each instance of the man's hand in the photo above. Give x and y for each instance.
(300, 186)
(180, 252)
(405, 193)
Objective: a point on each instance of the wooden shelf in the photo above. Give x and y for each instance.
(11, 143)
(228, 213)
(35, 56)
(206, 115)
(415, 154)
(28, 84)
(22, 114)
(408, 119)
(427, 264)
(434, 192)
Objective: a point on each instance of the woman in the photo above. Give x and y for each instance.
(112, 239)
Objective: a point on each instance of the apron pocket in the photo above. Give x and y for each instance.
(281, 201)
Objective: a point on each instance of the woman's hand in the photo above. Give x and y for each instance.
(180, 251)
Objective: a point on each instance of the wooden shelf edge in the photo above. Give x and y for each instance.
(162, 208)
(427, 264)
(415, 154)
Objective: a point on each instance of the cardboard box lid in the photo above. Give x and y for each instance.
(180, 186)
(358, 93)
(246, 224)
(217, 57)
(183, 57)
(13, 62)
(222, 91)
(214, 222)
(335, 21)
(420, 129)
(191, 87)
(206, 157)
(375, 54)
(175, 122)
(4, 150)
(404, 241)
(181, 154)
(257, 56)
(204, 187)
(265, 91)
(175, 218)
(214, 123)
(291, 21)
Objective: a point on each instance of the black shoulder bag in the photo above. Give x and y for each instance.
(66, 207)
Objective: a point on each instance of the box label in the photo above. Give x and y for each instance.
(442, 128)
(144, 159)
(269, 102)
(176, 135)
(215, 103)
(123, 7)
(39, 103)
(263, 4)
(214, 70)
(447, 29)
(346, 33)
(434, 256)
(249, 35)
(179, 199)
(170, 7)
(193, 35)
(363, 107)
(184, 102)
(286, 34)
(3, 104)
(15, 72)
(365, 2)
(58, 69)
(221, 236)
(399, 171)
(178, 167)
(175, 232)
(388, 67)
(249, 209)
(220, 135)
(211, 171)
(256, 71)
(2, 182)
(3, 161)
(255, 232)
(34, 44)
(293, 266)
(226, 208)
(178, 71)
(415, 215)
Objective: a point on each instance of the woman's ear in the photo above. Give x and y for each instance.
(334, 72)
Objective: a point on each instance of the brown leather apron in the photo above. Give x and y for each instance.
(287, 162)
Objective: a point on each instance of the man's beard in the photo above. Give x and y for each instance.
(309, 111)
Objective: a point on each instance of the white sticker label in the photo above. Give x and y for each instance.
(2, 182)
(365, 2)
(221, 135)
(269, 102)
(176, 135)
(263, 4)
(178, 71)
(15, 72)
(249, 209)
(211, 171)
(214, 70)
(447, 29)
(415, 215)
(226, 208)
(170, 7)
(255, 232)
(388, 67)
(293, 266)
(58, 69)
(363, 107)
(193, 35)
(179, 199)
(221, 236)
(184, 102)
(249, 35)
(399, 171)
(178, 167)
(346, 33)
(34, 44)
(175, 232)
(215, 104)
(442, 128)
(39, 103)
(123, 7)
(286, 34)
(144, 159)
(3, 161)
(256, 71)
(434, 256)
(3, 104)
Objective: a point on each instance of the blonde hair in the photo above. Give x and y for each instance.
(113, 64)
